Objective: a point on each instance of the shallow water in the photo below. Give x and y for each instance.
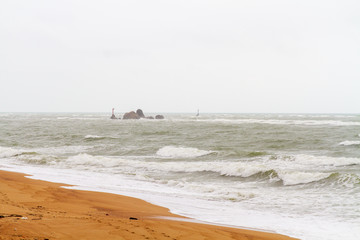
(295, 174)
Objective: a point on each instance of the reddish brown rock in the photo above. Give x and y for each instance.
(131, 115)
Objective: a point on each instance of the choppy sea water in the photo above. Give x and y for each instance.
(297, 175)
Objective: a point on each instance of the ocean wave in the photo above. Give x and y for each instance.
(349, 143)
(266, 174)
(284, 122)
(47, 155)
(223, 168)
(94, 137)
(296, 178)
(181, 152)
(87, 161)
(246, 171)
(348, 179)
(209, 191)
(38, 159)
(240, 170)
(6, 152)
(63, 150)
(30, 156)
(256, 154)
(77, 118)
(252, 171)
(230, 169)
(304, 160)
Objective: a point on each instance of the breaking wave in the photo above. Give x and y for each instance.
(6, 152)
(304, 160)
(94, 137)
(295, 178)
(97, 137)
(88, 161)
(349, 143)
(181, 152)
(244, 170)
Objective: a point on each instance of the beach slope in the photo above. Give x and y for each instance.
(34, 209)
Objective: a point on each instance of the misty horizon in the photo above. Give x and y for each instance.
(228, 56)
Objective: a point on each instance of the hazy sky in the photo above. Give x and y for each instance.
(178, 56)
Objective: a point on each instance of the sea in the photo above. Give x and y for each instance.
(293, 174)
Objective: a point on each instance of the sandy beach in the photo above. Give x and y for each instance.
(34, 209)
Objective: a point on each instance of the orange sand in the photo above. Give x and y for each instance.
(33, 209)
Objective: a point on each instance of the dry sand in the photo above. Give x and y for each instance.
(34, 209)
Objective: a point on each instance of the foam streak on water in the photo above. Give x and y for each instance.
(294, 174)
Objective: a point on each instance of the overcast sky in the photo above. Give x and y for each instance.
(178, 56)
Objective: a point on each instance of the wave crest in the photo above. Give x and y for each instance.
(295, 178)
(349, 143)
(93, 137)
(6, 152)
(304, 160)
(181, 152)
(87, 160)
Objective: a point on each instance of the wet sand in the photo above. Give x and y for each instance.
(34, 209)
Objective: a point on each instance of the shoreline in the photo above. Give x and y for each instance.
(36, 209)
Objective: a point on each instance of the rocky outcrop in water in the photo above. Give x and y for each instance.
(140, 113)
(159, 117)
(131, 115)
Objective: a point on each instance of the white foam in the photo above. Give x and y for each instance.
(349, 180)
(318, 162)
(131, 165)
(237, 169)
(12, 152)
(93, 137)
(181, 152)
(294, 178)
(9, 152)
(349, 143)
(225, 168)
(38, 159)
(62, 149)
(230, 213)
(294, 170)
(87, 161)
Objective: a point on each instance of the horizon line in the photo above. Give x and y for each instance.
(187, 112)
